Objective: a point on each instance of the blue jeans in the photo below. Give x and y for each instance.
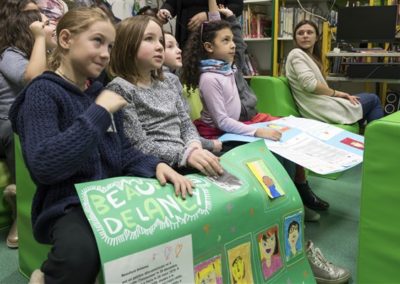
(371, 107)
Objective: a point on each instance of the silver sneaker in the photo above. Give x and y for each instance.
(324, 271)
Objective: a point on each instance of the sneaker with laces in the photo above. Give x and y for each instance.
(323, 270)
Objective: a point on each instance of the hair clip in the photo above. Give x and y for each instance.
(201, 30)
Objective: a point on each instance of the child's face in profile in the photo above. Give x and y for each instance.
(50, 32)
(150, 55)
(223, 47)
(173, 54)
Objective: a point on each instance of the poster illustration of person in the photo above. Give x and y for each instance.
(268, 243)
(240, 269)
(293, 233)
(209, 271)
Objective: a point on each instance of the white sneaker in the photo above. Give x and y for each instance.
(37, 277)
(324, 271)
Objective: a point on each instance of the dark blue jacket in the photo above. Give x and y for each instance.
(66, 139)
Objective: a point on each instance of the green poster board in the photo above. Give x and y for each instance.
(229, 231)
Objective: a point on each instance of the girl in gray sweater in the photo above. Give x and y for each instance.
(155, 120)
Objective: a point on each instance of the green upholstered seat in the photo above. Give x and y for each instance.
(379, 231)
(31, 253)
(5, 211)
(275, 97)
(194, 101)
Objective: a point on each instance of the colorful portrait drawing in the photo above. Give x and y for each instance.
(264, 177)
(209, 271)
(293, 233)
(268, 243)
(240, 268)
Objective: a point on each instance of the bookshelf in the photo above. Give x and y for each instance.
(257, 28)
(287, 14)
(269, 48)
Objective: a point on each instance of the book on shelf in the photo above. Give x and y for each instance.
(255, 22)
(251, 68)
(290, 16)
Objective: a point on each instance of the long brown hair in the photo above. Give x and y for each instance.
(9, 9)
(316, 54)
(129, 36)
(75, 21)
(18, 34)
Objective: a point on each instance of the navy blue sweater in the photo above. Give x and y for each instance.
(66, 139)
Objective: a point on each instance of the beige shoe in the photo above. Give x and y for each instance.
(10, 195)
(12, 237)
(37, 277)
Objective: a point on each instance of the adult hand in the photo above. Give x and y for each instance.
(196, 21)
(205, 161)
(217, 146)
(182, 185)
(353, 99)
(224, 11)
(163, 15)
(268, 133)
(37, 29)
(111, 101)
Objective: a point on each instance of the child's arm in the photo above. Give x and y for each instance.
(54, 155)
(37, 61)
(137, 135)
(12, 66)
(167, 10)
(236, 6)
(214, 96)
(135, 163)
(188, 130)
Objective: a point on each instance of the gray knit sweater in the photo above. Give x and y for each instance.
(155, 120)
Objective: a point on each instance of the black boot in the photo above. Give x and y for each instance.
(309, 198)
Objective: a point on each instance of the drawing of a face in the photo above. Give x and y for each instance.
(268, 245)
(293, 234)
(267, 181)
(207, 276)
(238, 271)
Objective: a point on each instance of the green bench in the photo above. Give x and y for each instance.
(379, 232)
(31, 253)
(5, 211)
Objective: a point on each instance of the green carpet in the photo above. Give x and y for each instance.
(9, 273)
(336, 234)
